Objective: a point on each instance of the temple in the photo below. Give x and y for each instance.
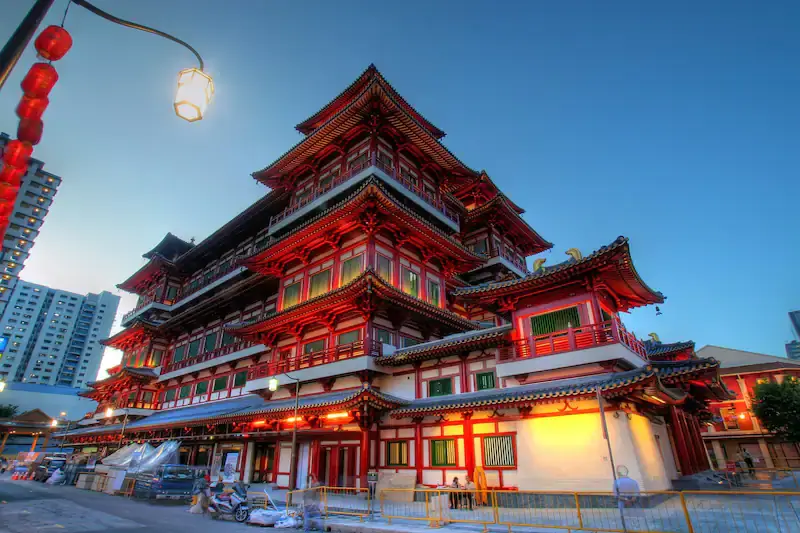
(379, 298)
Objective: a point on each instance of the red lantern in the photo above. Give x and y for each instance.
(39, 80)
(11, 175)
(17, 153)
(30, 130)
(53, 43)
(8, 191)
(31, 107)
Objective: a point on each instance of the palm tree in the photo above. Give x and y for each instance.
(8, 410)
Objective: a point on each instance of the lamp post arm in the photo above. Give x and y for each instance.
(122, 22)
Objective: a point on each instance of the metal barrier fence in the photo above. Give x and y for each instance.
(343, 501)
(664, 512)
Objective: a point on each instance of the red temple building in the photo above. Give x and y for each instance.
(391, 281)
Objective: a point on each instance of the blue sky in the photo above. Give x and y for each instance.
(675, 124)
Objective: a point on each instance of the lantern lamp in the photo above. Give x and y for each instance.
(53, 43)
(39, 80)
(272, 384)
(109, 412)
(30, 107)
(195, 89)
(17, 153)
(9, 174)
(30, 130)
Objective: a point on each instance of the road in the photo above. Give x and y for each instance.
(32, 507)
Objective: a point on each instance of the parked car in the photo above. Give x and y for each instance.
(47, 467)
(167, 482)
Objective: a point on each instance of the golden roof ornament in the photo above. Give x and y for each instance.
(538, 264)
(654, 337)
(575, 254)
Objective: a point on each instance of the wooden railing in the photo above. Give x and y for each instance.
(308, 360)
(207, 356)
(355, 169)
(568, 340)
(510, 257)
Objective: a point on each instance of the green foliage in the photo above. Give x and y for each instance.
(777, 406)
(8, 410)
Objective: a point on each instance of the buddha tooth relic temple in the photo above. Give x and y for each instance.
(381, 288)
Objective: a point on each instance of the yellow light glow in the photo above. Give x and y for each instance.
(53, 423)
(333, 416)
(293, 419)
(272, 384)
(2, 386)
(195, 89)
(741, 416)
(63, 413)
(109, 412)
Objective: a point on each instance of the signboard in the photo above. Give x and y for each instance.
(229, 470)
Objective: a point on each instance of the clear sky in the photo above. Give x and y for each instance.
(672, 123)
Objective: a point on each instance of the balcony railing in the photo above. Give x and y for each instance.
(568, 340)
(207, 356)
(355, 169)
(309, 360)
(511, 258)
(206, 281)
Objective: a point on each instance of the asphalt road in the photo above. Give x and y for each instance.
(32, 507)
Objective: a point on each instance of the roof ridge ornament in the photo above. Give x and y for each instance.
(575, 254)
(538, 264)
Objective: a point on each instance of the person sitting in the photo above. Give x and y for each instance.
(469, 495)
(454, 496)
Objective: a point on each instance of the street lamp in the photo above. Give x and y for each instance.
(272, 385)
(109, 412)
(195, 87)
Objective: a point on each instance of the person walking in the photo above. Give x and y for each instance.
(311, 510)
(748, 460)
(626, 490)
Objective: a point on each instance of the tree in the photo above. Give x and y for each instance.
(8, 410)
(777, 406)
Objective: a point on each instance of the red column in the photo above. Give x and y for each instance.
(276, 461)
(243, 461)
(418, 379)
(463, 372)
(701, 447)
(680, 443)
(469, 445)
(418, 454)
(315, 455)
(691, 446)
(365, 452)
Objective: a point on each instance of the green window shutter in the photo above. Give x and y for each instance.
(352, 268)
(433, 293)
(185, 392)
(443, 452)
(220, 383)
(227, 338)
(240, 379)
(291, 295)
(178, 354)
(201, 388)
(316, 346)
(397, 453)
(498, 451)
(156, 357)
(170, 395)
(485, 380)
(349, 337)
(320, 283)
(172, 292)
(410, 283)
(440, 387)
(555, 321)
(210, 342)
(194, 348)
(147, 397)
(383, 336)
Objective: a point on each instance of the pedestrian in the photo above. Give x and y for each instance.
(311, 510)
(748, 460)
(626, 489)
(469, 494)
(453, 494)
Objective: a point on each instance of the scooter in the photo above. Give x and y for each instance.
(231, 504)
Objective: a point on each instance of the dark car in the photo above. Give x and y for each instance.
(48, 466)
(167, 482)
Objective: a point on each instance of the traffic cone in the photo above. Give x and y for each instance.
(14, 476)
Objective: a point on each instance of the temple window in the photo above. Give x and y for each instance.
(762, 381)
(406, 342)
(303, 196)
(440, 387)
(240, 378)
(201, 388)
(227, 338)
(170, 395)
(560, 320)
(178, 354)
(385, 268)
(729, 418)
(314, 346)
(320, 283)
(147, 398)
(484, 380)
(443, 452)
(434, 292)
(383, 336)
(351, 268)
(397, 453)
(172, 292)
(349, 337)
(220, 384)
(210, 342)
(480, 246)
(291, 295)
(359, 162)
(155, 358)
(498, 451)
(194, 348)
(185, 392)
(410, 282)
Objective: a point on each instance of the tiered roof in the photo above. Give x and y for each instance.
(502, 212)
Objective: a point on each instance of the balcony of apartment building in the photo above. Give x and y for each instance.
(407, 185)
(575, 346)
(315, 364)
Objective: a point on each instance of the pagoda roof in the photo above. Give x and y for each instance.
(169, 248)
(359, 292)
(485, 189)
(661, 349)
(344, 216)
(319, 118)
(134, 334)
(610, 385)
(349, 117)
(450, 345)
(155, 265)
(613, 263)
(124, 379)
(501, 206)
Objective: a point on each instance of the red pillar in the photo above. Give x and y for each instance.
(680, 442)
(276, 461)
(418, 379)
(464, 375)
(365, 452)
(418, 454)
(315, 455)
(690, 444)
(469, 445)
(243, 463)
(701, 447)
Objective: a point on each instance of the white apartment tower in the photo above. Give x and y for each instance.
(34, 199)
(52, 336)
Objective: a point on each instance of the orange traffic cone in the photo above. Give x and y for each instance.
(14, 476)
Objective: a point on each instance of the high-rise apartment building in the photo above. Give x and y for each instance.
(33, 202)
(52, 336)
(793, 346)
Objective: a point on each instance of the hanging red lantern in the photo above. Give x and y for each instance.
(8, 191)
(53, 43)
(11, 175)
(30, 130)
(39, 80)
(17, 153)
(30, 107)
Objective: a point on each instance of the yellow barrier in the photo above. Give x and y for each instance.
(345, 501)
(660, 512)
(762, 479)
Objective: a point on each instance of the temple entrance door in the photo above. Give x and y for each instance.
(337, 466)
(346, 474)
(325, 465)
(264, 457)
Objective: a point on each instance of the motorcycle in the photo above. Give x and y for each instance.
(231, 504)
